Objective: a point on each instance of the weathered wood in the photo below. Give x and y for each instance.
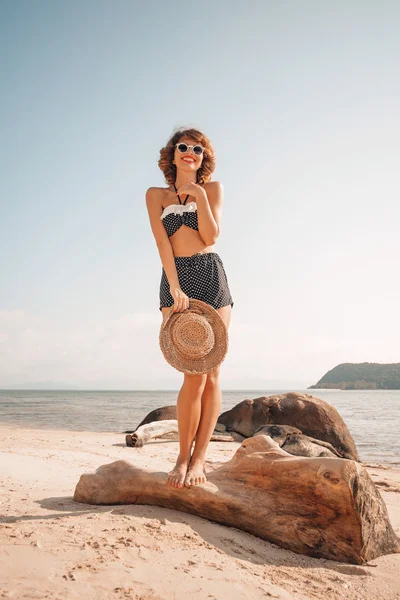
(151, 431)
(158, 429)
(322, 507)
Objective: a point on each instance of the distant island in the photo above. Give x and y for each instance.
(361, 376)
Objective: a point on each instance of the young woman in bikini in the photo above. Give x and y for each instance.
(185, 219)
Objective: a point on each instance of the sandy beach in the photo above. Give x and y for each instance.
(52, 547)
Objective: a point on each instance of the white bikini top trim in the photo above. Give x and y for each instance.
(179, 209)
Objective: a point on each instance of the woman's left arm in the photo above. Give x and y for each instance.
(209, 208)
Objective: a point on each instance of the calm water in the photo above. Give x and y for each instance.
(373, 417)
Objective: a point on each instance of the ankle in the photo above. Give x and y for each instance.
(198, 459)
(183, 459)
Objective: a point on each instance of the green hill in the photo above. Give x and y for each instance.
(361, 376)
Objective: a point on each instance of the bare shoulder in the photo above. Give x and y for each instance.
(154, 195)
(152, 191)
(214, 185)
(215, 191)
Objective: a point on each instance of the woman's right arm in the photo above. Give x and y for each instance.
(165, 249)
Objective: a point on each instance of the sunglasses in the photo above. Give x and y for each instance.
(197, 149)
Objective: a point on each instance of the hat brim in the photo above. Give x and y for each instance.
(202, 365)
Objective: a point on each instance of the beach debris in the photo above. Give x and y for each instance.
(325, 507)
(169, 428)
(151, 431)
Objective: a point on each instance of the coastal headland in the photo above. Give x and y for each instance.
(361, 376)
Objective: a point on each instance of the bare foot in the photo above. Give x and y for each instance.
(195, 474)
(176, 477)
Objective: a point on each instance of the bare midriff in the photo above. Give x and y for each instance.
(186, 241)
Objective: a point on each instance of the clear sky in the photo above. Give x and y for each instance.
(301, 102)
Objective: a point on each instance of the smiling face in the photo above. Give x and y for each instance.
(188, 161)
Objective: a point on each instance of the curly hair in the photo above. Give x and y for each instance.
(167, 155)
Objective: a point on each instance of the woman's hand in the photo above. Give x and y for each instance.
(181, 301)
(193, 189)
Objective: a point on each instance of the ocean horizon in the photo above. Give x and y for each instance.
(372, 416)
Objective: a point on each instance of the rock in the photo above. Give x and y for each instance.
(295, 442)
(314, 417)
(158, 414)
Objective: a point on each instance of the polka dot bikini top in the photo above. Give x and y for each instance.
(176, 215)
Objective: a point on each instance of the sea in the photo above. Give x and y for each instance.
(372, 417)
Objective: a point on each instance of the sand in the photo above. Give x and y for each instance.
(52, 547)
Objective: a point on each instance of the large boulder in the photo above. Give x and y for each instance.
(315, 418)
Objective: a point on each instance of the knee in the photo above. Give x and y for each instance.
(195, 382)
(213, 377)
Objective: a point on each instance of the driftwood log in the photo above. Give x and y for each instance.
(159, 429)
(322, 507)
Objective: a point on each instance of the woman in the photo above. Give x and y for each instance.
(185, 233)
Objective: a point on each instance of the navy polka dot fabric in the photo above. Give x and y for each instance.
(201, 276)
(176, 215)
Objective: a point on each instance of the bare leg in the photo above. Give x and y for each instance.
(210, 410)
(188, 413)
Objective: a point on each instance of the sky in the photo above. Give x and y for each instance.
(301, 103)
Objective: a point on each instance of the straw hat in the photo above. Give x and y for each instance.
(195, 340)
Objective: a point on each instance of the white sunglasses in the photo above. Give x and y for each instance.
(196, 149)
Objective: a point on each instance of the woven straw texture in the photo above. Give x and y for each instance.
(194, 341)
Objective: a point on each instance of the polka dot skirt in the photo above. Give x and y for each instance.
(201, 276)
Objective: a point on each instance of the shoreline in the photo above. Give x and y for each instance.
(51, 546)
(15, 426)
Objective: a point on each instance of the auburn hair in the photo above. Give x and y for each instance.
(168, 151)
